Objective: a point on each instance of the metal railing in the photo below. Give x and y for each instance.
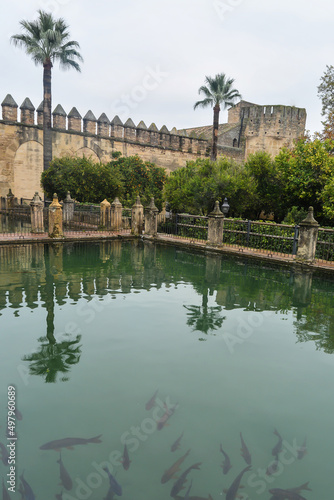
(192, 227)
(325, 245)
(265, 236)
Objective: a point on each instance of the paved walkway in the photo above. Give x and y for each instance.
(25, 238)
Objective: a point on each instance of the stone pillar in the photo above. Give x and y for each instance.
(74, 120)
(55, 218)
(137, 217)
(27, 112)
(215, 226)
(307, 240)
(116, 128)
(40, 115)
(9, 109)
(105, 214)
(154, 134)
(151, 219)
(36, 213)
(129, 130)
(142, 134)
(59, 117)
(89, 123)
(68, 208)
(116, 214)
(10, 200)
(164, 137)
(103, 125)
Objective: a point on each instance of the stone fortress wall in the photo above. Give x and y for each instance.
(250, 128)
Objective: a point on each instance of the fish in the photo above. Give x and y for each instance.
(279, 494)
(272, 468)
(125, 459)
(28, 493)
(231, 493)
(278, 448)
(110, 495)
(176, 445)
(68, 443)
(59, 496)
(186, 496)
(114, 485)
(194, 498)
(151, 402)
(182, 479)
(226, 466)
(302, 450)
(65, 478)
(168, 413)
(298, 489)
(18, 414)
(168, 474)
(5, 494)
(4, 454)
(244, 451)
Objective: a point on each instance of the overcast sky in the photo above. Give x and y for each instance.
(146, 59)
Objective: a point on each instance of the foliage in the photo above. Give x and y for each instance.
(92, 182)
(47, 40)
(217, 91)
(195, 188)
(268, 186)
(295, 215)
(326, 90)
(305, 170)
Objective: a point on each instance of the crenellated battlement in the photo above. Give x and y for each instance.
(103, 127)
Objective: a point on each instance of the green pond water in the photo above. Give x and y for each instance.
(90, 332)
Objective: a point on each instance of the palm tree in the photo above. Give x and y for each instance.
(47, 40)
(217, 91)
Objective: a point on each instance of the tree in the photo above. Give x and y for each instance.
(217, 91)
(326, 90)
(46, 40)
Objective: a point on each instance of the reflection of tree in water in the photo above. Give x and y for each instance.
(204, 318)
(317, 326)
(53, 358)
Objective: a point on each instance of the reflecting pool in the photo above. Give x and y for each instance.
(133, 363)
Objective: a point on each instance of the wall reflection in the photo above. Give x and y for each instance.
(45, 275)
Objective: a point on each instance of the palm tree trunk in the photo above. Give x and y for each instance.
(47, 133)
(216, 110)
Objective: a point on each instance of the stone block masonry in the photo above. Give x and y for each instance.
(21, 143)
(250, 128)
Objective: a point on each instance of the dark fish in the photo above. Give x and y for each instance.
(4, 454)
(244, 451)
(168, 474)
(298, 489)
(194, 498)
(231, 493)
(114, 485)
(182, 479)
(151, 402)
(168, 413)
(28, 493)
(285, 494)
(302, 450)
(125, 459)
(278, 448)
(272, 468)
(176, 445)
(110, 495)
(5, 494)
(226, 463)
(18, 414)
(64, 475)
(68, 443)
(186, 496)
